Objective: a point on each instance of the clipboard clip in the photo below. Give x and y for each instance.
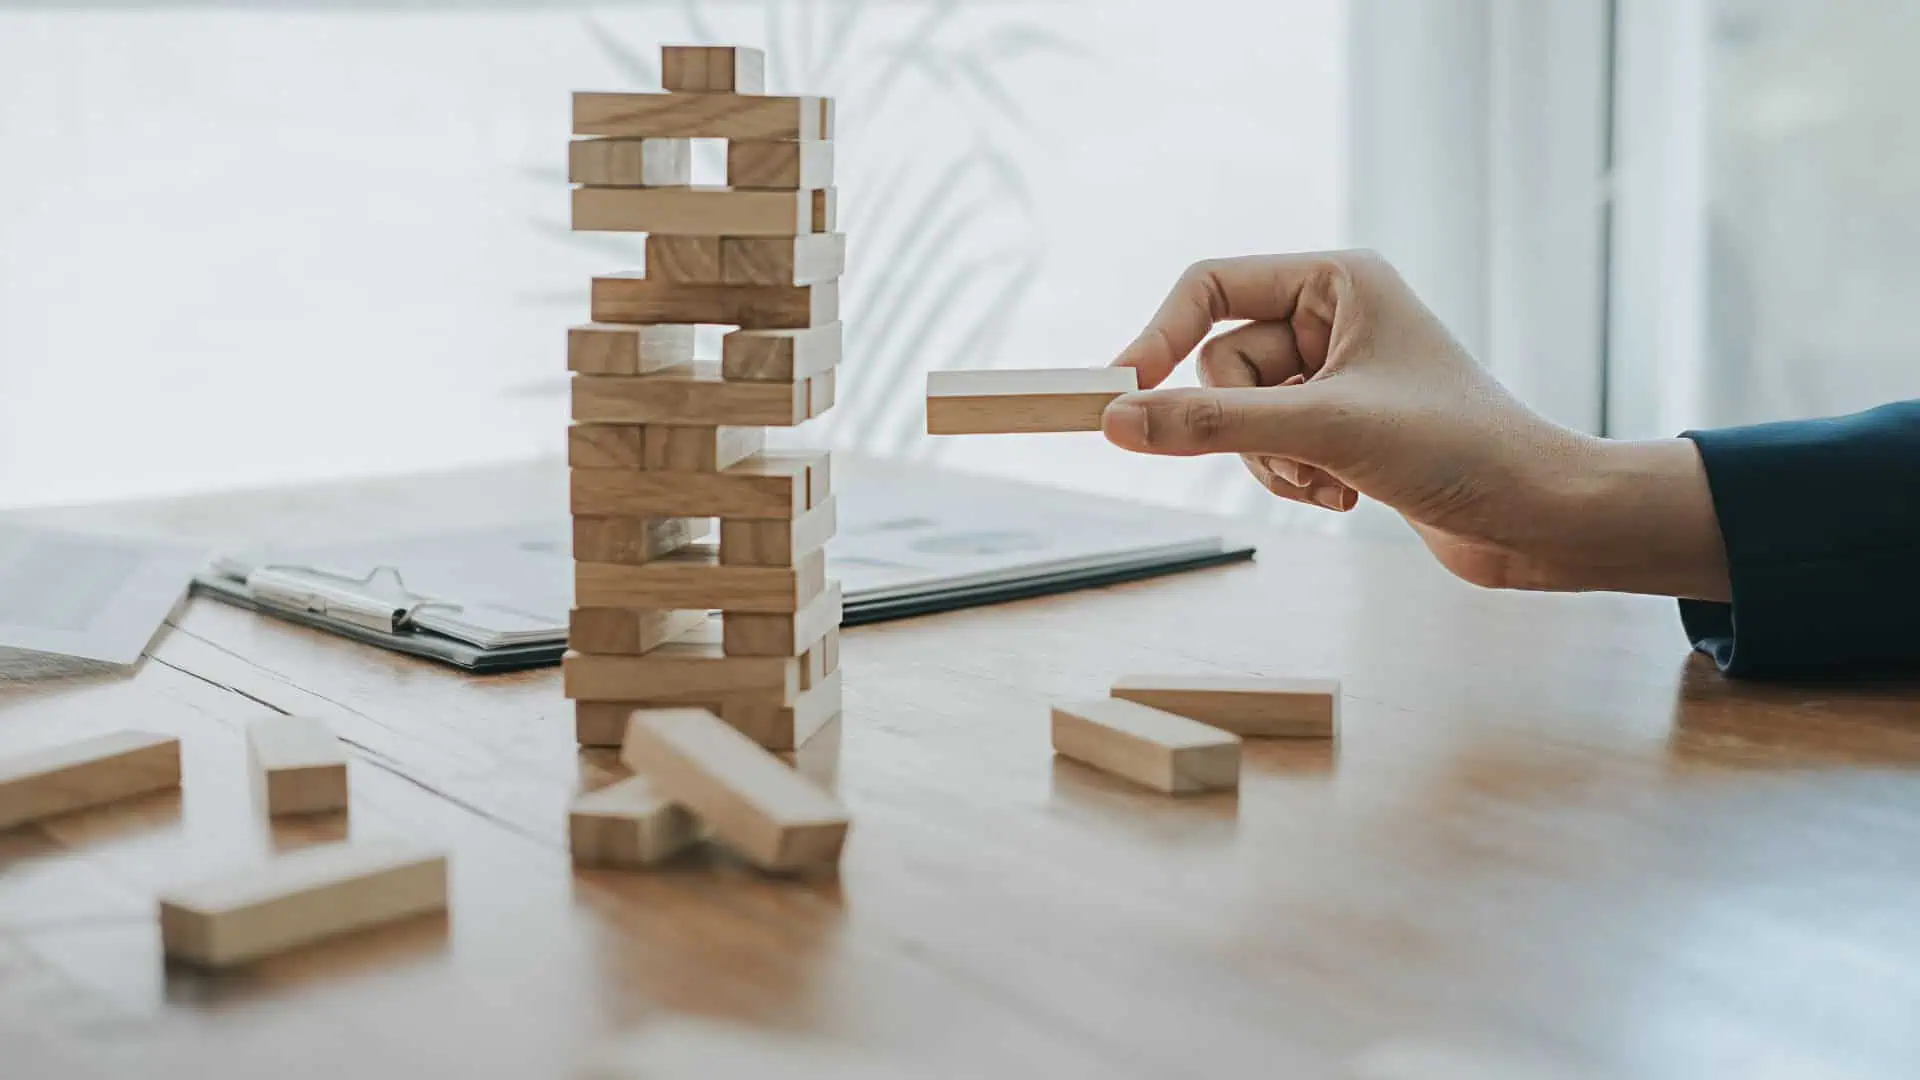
(379, 601)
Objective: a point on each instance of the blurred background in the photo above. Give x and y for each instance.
(260, 243)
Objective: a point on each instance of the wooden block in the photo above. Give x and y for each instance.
(307, 896)
(702, 116)
(627, 631)
(298, 765)
(830, 652)
(634, 299)
(631, 541)
(729, 69)
(813, 259)
(753, 803)
(88, 772)
(695, 578)
(761, 717)
(780, 355)
(786, 165)
(693, 396)
(627, 349)
(770, 484)
(607, 446)
(777, 543)
(627, 825)
(819, 661)
(744, 634)
(1004, 402)
(820, 392)
(701, 449)
(678, 670)
(702, 211)
(826, 210)
(630, 162)
(684, 260)
(1161, 750)
(1244, 705)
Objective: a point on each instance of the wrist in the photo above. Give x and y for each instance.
(1639, 518)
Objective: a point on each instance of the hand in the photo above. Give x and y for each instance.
(1344, 384)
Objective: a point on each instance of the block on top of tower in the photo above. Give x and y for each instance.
(727, 69)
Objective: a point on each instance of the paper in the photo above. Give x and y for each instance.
(86, 595)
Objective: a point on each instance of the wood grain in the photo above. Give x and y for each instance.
(631, 540)
(678, 670)
(630, 162)
(631, 299)
(702, 116)
(766, 485)
(73, 775)
(627, 825)
(1161, 750)
(1015, 401)
(627, 631)
(701, 449)
(782, 164)
(683, 260)
(813, 259)
(782, 635)
(701, 211)
(745, 542)
(780, 355)
(729, 69)
(693, 396)
(695, 578)
(627, 349)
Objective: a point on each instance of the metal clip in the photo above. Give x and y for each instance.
(379, 601)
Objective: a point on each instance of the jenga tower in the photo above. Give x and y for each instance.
(661, 442)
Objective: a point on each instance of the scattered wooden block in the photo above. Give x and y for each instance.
(785, 165)
(634, 299)
(307, 896)
(627, 825)
(678, 670)
(744, 634)
(780, 355)
(632, 541)
(728, 69)
(298, 765)
(1161, 750)
(87, 772)
(770, 484)
(1246, 706)
(627, 631)
(762, 717)
(751, 800)
(701, 449)
(702, 116)
(1006, 402)
(630, 162)
(695, 578)
(746, 542)
(702, 211)
(683, 260)
(820, 392)
(693, 396)
(627, 349)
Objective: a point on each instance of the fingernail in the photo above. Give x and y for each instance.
(1330, 497)
(1125, 424)
(1286, 469)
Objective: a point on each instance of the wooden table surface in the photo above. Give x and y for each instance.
(1548, 843)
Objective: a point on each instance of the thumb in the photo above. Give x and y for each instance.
(1237, 420)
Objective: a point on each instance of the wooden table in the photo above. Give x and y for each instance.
(1549, 843)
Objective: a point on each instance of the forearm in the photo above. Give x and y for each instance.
(1639, 518)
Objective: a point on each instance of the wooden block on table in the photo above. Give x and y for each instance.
(627, 631)
(762, 717)
(786, 165)
(303, 897)
(745, 634)
(634, 299)
(1007, 402)
(701, 449)
(627, 349)
(630, 162)
(770, 484)
(87, 772)
(780, 355)
(1244, 705)
(821, 391)
(631, 541)
(695, 579)
(694, 396)
(752, 801)
(728, 69)
(703, 211)
(684, 260)
(627, 825)
(702, 116)
(298, 765)
(745, 542)
(1161, 750)
(678, 670)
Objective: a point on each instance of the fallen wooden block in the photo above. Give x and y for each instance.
(702, 116)
(627, 631)
(627, 348)
(702, 211)
(745, 542)
(634, 299)
(1246, 706)
(769, 484)
(695, 578)
(783, 164)
(307, 896)
(630, 162)
(631, 541)
(752, 801)
(1161, 750)
(86, 772)
(728, 69)
(1009, 402)
(298, 765)
(761, 716)
(627, 825)
(780, 355)
(744, 634)
(691, 397)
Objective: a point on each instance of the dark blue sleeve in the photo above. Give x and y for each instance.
(1821, 520)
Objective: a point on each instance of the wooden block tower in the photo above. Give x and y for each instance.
(661, 442)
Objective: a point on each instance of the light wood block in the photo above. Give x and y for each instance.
(777, 543)
(1244, 705)
(631, 541)
(683, 260)
(88, 772)
(634, 299)
(693, 396)
(1007, 402)
(702, 116)
(307, 896)
(703, 211)
(780, 355)
(630, 162)
(813, 259)
(701, 449)
(627, 631)
(627, 349)
(785, 165)
(830, 652)
(770, 484)
(763, 717)
(728, 69)
(744, 634)
(1158, 749)
(821, 392)
(607, 446)
(752, 801)
(678, 670)
(298, 765)
(820, 660)
(627, 825)
(695, 578)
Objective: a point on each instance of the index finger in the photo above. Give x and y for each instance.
(1262, 287)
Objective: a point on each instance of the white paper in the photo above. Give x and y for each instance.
(86, 595)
